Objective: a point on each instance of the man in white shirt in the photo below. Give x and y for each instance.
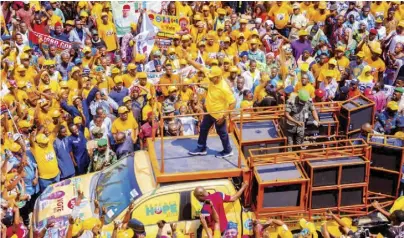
(298, 21)
(329, 85)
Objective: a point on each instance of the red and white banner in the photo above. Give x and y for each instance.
(48, 40)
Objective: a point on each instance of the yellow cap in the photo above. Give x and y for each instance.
(307, 225)
(221, 11)
(240, 35)
(185, 38)
(56, 113)
(15, 147)
(24, 124)
(304, 67)
(171, 50)
(214, 62)
(322, 5)
(131, 66)
(5, 46)
(115, 70)
(48, 62)
(70, 22)
(21, 68)
(77, 120)
(226, 60)
(243, 21)
(74, 69)
(77, 227)
(215, 71)
(139, 58)
(126, 98)
(24, 56)
(176, 36)
(82, 4)
(253, 41)
(233, 69)
(302, 33)
(122, 109)
(118, 79)
(401, 23)
(42, 138)
(133, 26)
(340, 48)
(172, 89)
(83, 14)
(254, 32)
(90, 223)
(26, 48)
(392, 105)
(126, 233)
(86, 49)
(141, 75)
(210, 36)
(205, 8)
(332, 61)
(399, 135)
(226, 39)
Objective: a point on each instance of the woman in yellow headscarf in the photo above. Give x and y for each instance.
(366, 75)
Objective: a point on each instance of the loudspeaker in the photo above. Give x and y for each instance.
(355, 112)
(383, 182)
(282, 196)
(326, 172)
(324, 199)
(352, 196)
(386, 158)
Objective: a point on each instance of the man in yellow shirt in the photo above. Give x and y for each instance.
(45, 157)
(306, 85)
(377, 64)
(212, 47)
(125, 124)
(107, 33)
(240, 45)
(280, 12)
(168, 78)
(219, 98)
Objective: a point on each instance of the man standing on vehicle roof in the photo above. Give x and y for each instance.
(219, 98)
(217, 199)
(297, 111)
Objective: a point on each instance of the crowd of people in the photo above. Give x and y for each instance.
(75, 111)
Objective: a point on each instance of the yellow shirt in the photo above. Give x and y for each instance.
(166, 80)
(46, 160)
(212, 48)
(44, 118)
(377, 67)
(342, 63)
(309, 88)
(86, 62)
(124, 126)
(147, 108)
(239, 48)
(107, 33)
(259, 93)
(337, 74)
(317, 17)
(280, 14)
(218, 98)
(234, 34)
(183, 11)
(127, 80)
(186, 96)
(379, 10)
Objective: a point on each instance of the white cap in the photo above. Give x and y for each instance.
(269, 23)
(258, 20)
(16, 136)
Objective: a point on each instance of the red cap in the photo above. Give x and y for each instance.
(368, 92)
(126, 7)
(319, 93)
(58, 24)
(373, 31)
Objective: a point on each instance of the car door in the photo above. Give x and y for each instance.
(155, 208)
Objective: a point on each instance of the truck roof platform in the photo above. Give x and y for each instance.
(172, 163)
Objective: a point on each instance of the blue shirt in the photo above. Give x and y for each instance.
(30, 173)
(77, 145)
(65, 162)
(118, 96)
(62, 36)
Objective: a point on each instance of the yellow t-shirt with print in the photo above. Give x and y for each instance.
(280, 14)
(127, 80)
(122, 126)
(377, 67)
(107, 33)
(46, 160)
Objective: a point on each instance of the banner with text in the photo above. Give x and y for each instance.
(48, 40)
(169, 25)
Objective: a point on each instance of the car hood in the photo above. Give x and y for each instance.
(56, 204)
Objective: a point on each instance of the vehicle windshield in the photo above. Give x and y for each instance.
(117, 187)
